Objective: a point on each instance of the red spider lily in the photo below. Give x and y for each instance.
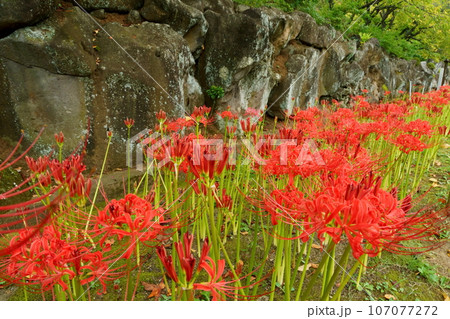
(15, 217)
(161, 116)
(247, 126)
(96, 268)
(48, 260)
(231, 130)
(131, 217)
(204, 168)
(59, 138)
(167, 262)
(371, 218)
(200, 112)
(178, 149)
(253, 112)
(225, 201)
(228, 115)
(408, 143)
(39, 165)
(129, 122)
(217, 286)
(187, 260)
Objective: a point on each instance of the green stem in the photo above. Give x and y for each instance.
(305, 268)
(98, 186)
(332, 280)
(345, 281)
(318, 271)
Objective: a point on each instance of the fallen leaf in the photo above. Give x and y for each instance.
(310, 265)
(448, 253)
(155, 289)
(434, 180)
(237, 270)
(244, 233)
(18, 169)
(148, 287)
(435, 185)
(110, 241)
(437, 163)
(239, 267)
(445, 145)
(315, 246)
(446, 297)
(389, 297)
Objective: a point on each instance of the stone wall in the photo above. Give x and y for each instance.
(70, 71)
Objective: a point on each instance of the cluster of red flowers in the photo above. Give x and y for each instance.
(371, 219)
(325, 180)
(216, 285)
(48, 260)
(132, 218)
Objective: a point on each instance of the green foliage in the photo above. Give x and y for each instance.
(427, 271)
(365, 37)
(408, 29)
(280, 4)
(215, 92)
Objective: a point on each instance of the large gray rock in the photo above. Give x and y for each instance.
(219, 6)
(298, 70)
(237, 57)
(186, 20)
(61, 44)
(36, 98)
(282, 27)
(158, 77)
(111, 5)
(314, 35)
(19, 13)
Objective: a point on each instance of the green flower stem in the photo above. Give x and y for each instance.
(318, 271)
(305, 268)
(98, 185)
(297, 259)
(240, 213)
(261, 268)
(345, 281)
(278, 264)
(212, 222)
(362, 268)
(330, 272)
(130, 287)
(129, 168)
(288, 263)
(230, 264)
(253, 252)
(332, 279)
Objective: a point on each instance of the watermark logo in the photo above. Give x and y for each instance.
(154, 149)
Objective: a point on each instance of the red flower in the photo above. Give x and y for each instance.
(247, 126)
(59, 138)
(129, 122)
(203, 167)
(131, 217)
(187, 260)
(408, 143)
(161, 116)
(167, 262)
(228, 115)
